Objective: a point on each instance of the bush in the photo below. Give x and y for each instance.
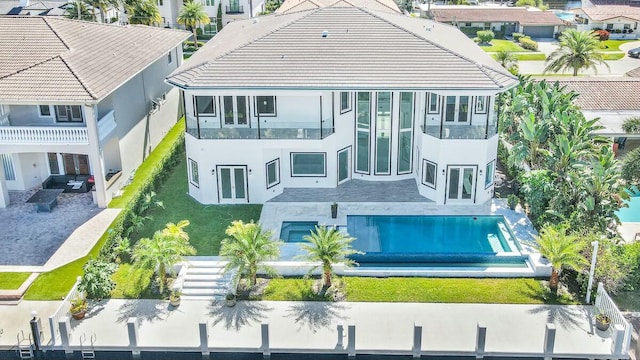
(517, 36)
(485, 36)
(526, 3)
(538, 190)
(192, 43)
(528, 44)
(631, 125)
(631, 167)
(199, 31)
(603, 35)
(96, 281)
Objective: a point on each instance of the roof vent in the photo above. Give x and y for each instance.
(325, 33)
(428, 28)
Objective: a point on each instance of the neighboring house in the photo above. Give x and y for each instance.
(635, 73)
(315, 98)
(82, 98)
(290, 6)
(231, 10)
(620, 20)
(505, 20)
(36, 8)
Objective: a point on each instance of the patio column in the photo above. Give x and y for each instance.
(95, 154)
(4, 192)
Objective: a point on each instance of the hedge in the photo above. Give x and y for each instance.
(528, 44)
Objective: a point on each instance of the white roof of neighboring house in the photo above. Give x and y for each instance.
(606, 12)
(55, 59)
(495, 14)
(290, 6)
(363, 49)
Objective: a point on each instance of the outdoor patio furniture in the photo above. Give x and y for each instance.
(45, 199)
(68, 183)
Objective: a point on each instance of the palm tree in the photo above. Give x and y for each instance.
(78, 10)
(144, 12)
(160, 253)
(247, 248)
(177, 230)
(577, 50)
(562, 250)
(328, 246)
(192, 15)
(507, 59)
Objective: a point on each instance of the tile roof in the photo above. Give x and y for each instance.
(54, 59)
(301, 5)
(598, 93)
(479, 14)
(634, 73)
(604, 12)
(364, 49)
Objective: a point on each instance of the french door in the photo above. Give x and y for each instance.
(235, 111)
(461, 184)
(456, 109)
(344, 165)
(232, 184)
(75, 164)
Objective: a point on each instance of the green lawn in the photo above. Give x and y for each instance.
(500, 45)
(612, 55)
(12, 280)
(613, 45)
(628, 300)
(447, 290)
(527, 57)
(133, 283)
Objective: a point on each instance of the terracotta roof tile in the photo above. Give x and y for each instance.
(473, 14)
(605, 93)
(604, 12)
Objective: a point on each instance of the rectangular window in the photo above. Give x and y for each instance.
(265, 106)
(405, 133)
(481, 105)
(160, 2)
(54, 164)
(345, 102)
(205, 106)
(463, 109)
(209, 2)
(429, 173)
(44, 110)
(273, 173)
(68, 113)
(383, 134)
(9, 170)
(450, 109)
(489, 174)
(433, 102)
(169, 59)
(308, 164)
(194, 178)
(363, 132)
(609, 27)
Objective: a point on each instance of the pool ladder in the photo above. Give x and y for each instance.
(87, 353)
(25, 346)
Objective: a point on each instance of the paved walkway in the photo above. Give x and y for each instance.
(312, 326)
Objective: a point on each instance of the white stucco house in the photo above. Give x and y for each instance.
(82, 101)
(316, 98)
(620, 20)
(231, 10)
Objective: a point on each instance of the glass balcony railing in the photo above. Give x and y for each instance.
(474, 132)
(281, 130)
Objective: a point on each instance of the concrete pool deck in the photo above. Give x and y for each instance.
(312, 327)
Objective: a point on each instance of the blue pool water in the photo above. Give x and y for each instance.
(631, 213)
(294, 231)
(566, 16)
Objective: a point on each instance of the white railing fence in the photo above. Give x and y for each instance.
(43, 135)
(605, 305)
(62, 311)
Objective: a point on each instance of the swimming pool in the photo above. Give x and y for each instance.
(631, 213)
(566, 16)
(294, 231)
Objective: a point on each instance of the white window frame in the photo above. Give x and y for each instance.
(276, 163)
(348, 108)
(275, 104)
(9, 167)
(490, 171)
(323, 174)
(194, 176)
(481, 105)
(195, 106)
(430, 103)
(40, 111)
(425, 164)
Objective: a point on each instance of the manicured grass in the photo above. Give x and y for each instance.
(612, 55)
(498, 291)
(527, 57)
(208, 222)
(12, 280)
(499, 45)
(133, 283)
(613, 45)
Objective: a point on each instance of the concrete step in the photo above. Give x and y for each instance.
(199, 263)
(208, 297)
(207, 277)
(205, 270)
(203, 292)
(205, 285)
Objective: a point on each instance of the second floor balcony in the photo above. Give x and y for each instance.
(25, 135)
(281, 130)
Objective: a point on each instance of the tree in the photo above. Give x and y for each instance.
(271, 6)
(75, 7)
(563, 251)
(631, 125)
(97, 280)
(508, 60)
(219, 18)
(160, 253)
(485, 36)
(328, 246)
(577, 50)
(247, 248)
(192, 15)
(631, 167)
(144, 12)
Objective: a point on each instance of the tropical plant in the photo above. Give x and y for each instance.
(247, 248)
(121, 249)
(192, 15)
(219, 18)
(271, 6)
(78, 10)
(160, 253)
(577, 50)
(137, 223)
(144, 12)
(507, 59)
(97, 280)
(328, 246)
(485, 36)
(148, 201)
(631, 125)
(631, 167)
(177, 230)
(563, 251)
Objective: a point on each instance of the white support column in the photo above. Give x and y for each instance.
(549, 341)
(132, 329)
(4, 192)
(351, 339)
(417, 340)
(95, 155)
(618, 347)
(264, 328)
(204, 338)
(65, 334)
(481, 340)
(340, 330)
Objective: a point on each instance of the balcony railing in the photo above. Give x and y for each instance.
(43, 135)
(236, 9)
(460, 131)
(281, 130)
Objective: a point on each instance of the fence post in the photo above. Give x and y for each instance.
(203, 327)
(549, 341)
(340, 330)
(52, 328)
(266, 352)
(132, 328)
(65, 334)
(618, 346)
(351, 339)
(417, 340)
(481, 339)
(599, 295)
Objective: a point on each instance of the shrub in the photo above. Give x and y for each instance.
(485, 36)
(526, 3)
(199, 31)
(537, 189)
(517, 36)
(96, 281)
(603, 35)
(631, 125)
(631, 167)
(528, 44)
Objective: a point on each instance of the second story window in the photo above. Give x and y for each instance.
(345, 102)
(205, 106)
(160, 2)
(68, 113)
(433, 103)
(481, 105)
(44, 110)
(265, 106)
(169, 58)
